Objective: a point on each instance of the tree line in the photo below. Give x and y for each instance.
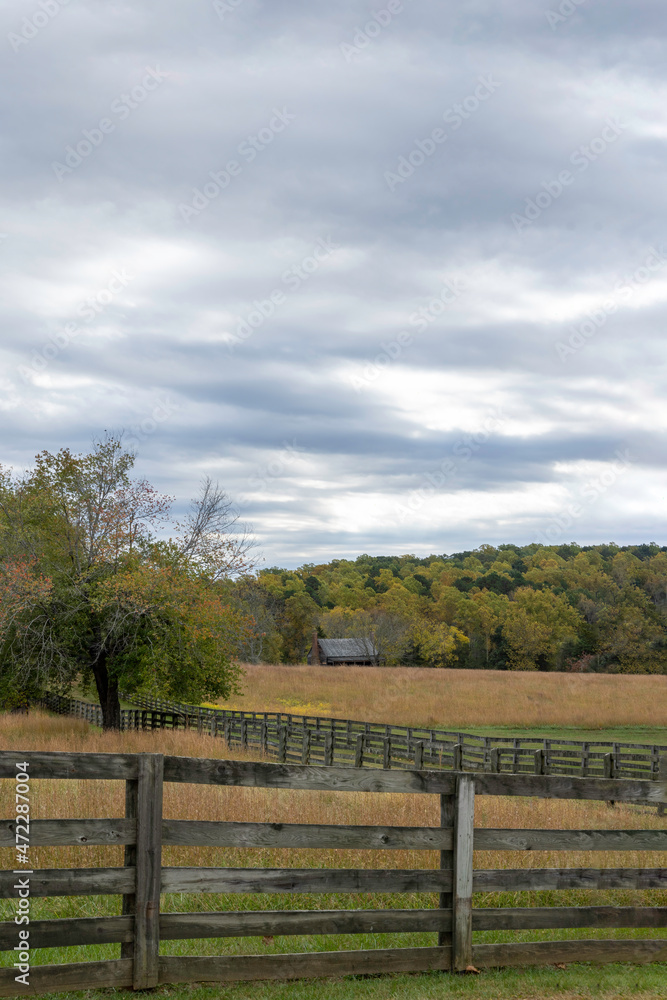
(533, 607)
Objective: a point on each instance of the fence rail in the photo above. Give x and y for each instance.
(144, 830)
(318, 740)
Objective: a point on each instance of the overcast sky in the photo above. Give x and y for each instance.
(394, 273)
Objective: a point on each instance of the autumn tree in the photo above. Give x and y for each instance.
(89, 593)
(299, 619)
(537, 626)
(436, 642)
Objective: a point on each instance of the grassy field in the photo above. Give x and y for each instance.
(576, 982)
(51, 799)
(581, 706)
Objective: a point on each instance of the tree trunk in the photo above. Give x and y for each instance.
(107, 691)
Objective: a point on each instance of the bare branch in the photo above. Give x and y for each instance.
(214, 536)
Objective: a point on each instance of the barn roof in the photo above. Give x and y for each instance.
(348, 649)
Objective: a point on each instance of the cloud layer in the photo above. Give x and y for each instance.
(396, 276)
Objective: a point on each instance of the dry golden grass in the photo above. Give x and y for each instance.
(453, 699)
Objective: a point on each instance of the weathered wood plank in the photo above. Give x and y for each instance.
(148, 871)
(338, 778)
(570, 840)
(315, 965)
(54, 764)
(559, 786)
(71, 882)
(69, 931)
(304, 880)
(345, 779)
(525, 879)
(75, 976)
(223, 834)
(530, 918)
(549, 952)
(63, 832)
(249, 923)
(487, 839)
(464, 822)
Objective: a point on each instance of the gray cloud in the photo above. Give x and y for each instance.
(301, 134)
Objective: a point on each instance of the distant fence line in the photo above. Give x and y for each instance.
(317, 740)
(144, 830)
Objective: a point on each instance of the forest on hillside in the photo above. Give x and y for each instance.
(566, 607)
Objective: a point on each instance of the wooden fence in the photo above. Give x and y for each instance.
(314, 739)
(143, 831)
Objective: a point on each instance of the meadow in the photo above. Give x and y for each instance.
(51, 799)
(622, 706)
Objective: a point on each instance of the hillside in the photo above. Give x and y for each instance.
(568, 607)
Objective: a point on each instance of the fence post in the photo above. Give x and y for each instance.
(227, 730)
(244, 733)
(143, 802)
(464, 823)
(386, 755)
(495, 760)
(282, 744)
(487, 753)
(539, 761)
(585, 751)
(447, 811)
(457, 764)
(608, 765)
(149, 870)
(328, 748)
(662, 776)
(305, 746)
(419, 755)
(214, 726)
(359, 751)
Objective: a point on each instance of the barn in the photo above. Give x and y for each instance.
(338, 652)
